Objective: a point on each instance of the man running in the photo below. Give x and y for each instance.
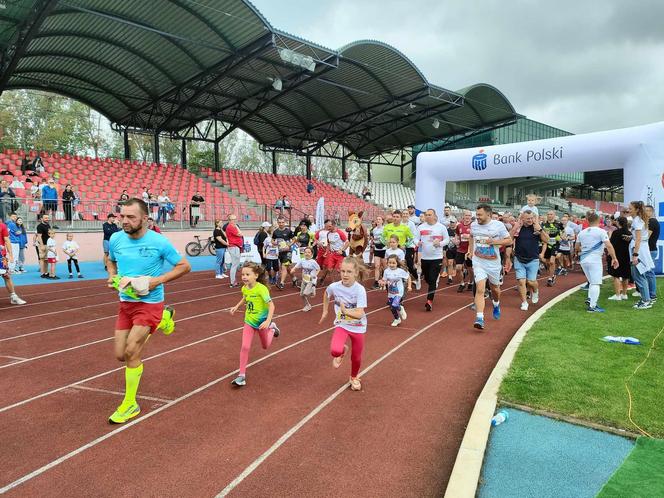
(285, 238)
(486, 237)
(433, 239)
(406, 242)
(6, 256)
(549, 250)
(133, 253)
(527, 234)
(464, 265)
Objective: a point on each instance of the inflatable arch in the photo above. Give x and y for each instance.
(639, 151)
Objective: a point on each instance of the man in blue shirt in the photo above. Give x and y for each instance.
(50, 198)
(139, 253)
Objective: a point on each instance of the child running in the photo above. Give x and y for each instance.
(310, 271)
(393, 278)
(257, 316)
(394, 249)
(70, 247)
(350, 300)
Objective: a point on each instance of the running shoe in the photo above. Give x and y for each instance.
(396, 322)
(596, 309)
(428, 306)
(276, 329)
(233, 286)
(376, 285)
(307, 307)
(219, 277)
(14, 299)
(653, 300)
(636, 294)
(471, 287)
(473, 307)
(280, 286)
(355, 384)
(418, 283)
(585, 286)
(336, 361)
(524, 306)
(535, 297)
(615, 297)
(294, 282)
(124, 413)
(479, 323)
(461, 287)
(71, 276)
(549, 282)
(80, 275)
(450, 281)
(642, 305)
(496, 312)
(558, 270)
(402, 313)
(239, 381)
(167, 324)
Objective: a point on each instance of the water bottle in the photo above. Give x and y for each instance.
(499, 418)
(625, 340)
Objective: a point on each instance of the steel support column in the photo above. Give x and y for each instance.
(127, 147)
(216, 156)
(156, 154)
(308, 156)
(369, 171)
(183, 158)
(274, 162)
(343, 168)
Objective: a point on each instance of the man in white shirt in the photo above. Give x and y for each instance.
(413, 217)
(590, 245)
(433, 237)
(447, 216)
(486, 238)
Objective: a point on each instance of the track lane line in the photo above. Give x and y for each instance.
(117, 393)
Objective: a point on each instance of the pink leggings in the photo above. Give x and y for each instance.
(266, 336)
(357, 346)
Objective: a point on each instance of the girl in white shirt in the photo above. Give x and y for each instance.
(394, 249)
(393, 279)
(350, 301)
(70, 247)
(310, 271)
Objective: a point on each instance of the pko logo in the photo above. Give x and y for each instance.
(479, 161)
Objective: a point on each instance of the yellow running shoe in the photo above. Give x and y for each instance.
(167, 324)
(124, 413)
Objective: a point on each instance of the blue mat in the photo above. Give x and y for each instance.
(94, 270)
(533, 456)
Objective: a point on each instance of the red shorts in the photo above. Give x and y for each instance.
(51, 260)
(333, 261)
(138, 313)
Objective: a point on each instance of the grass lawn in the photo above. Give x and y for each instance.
(642, 473)
(562, 365)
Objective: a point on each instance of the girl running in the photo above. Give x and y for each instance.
(257, 316)
(350, 300)
(393, 278)
(378, 249)
(310, 271)
(394, 249)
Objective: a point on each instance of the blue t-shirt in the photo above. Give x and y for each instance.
(14, 232)
(49, 194)
(142, 257)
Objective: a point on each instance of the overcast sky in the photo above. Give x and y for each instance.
(578, 65)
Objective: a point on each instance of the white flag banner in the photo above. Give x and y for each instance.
(320, 213)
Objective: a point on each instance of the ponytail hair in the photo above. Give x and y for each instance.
(361, 271)
(259, 270)
(640, 209)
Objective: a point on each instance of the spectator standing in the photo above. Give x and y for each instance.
(146, 195)
(642, 263)
(50, 198)
(14, 239)
(235, 243)
(7, 199)
(620, 239)
(163, 200)
(109, 227)
(22, 244)
(70, 247)
(366, 193)
(195, 206)
(260, 237)
(220, 246)
(67, 199)
(41, 238)
(654, 230)
(6, 255)
(75, 202)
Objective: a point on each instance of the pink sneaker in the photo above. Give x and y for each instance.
(336, 361)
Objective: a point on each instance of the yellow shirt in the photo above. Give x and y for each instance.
(256, 300)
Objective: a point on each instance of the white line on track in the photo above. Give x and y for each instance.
(118, 393)
(95, 442)
(286, 436)
(11, 357)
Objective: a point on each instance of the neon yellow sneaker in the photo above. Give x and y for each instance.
(167, 324)
(124, 413)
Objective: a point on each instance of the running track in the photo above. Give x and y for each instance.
(295, 430)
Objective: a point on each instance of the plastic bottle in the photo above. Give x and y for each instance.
(499, 418)
(625, 340)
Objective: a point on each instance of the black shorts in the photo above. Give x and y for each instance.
(272, 264)
(285, 258)
(451, 254)
(379, 253)
(50, 205)
(460, 259)
(550, 251)
(564, 252)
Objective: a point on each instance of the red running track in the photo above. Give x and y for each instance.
(294, 430)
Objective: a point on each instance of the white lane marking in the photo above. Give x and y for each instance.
(118, 393)
(11, 357)
(126, 426)
(286, 436)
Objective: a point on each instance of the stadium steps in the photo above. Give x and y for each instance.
(235, 193)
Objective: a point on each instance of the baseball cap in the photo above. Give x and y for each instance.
(411, 206)
(266, 224)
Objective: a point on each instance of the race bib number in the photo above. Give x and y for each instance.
(306, 278)
(484, 250)
(465, 237)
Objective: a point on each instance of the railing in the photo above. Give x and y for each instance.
(91, 214)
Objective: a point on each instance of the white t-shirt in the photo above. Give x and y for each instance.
(430, 235)
(394, 280)
(638, 225)
(352, 297)
(271, 252)
(415, 220)
(483, 254)
(70, 246)
(592, 244)
(51, 248)
(399, 252)
(377, 234)
(445, 220)
(530, 208)
(331, 238)
(309, 270)
(413, 230)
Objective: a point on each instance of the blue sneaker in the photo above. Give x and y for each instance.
(596, 309)
(496, 312)
(479, 323)
(585, 286)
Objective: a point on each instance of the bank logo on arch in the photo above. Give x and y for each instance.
(479, 161)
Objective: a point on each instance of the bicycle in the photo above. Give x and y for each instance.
(196, 248)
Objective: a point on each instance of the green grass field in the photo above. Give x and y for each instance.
(562, 365)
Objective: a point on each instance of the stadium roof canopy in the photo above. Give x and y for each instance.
(164, 65)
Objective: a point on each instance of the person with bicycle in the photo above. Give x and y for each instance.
(220, 246)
